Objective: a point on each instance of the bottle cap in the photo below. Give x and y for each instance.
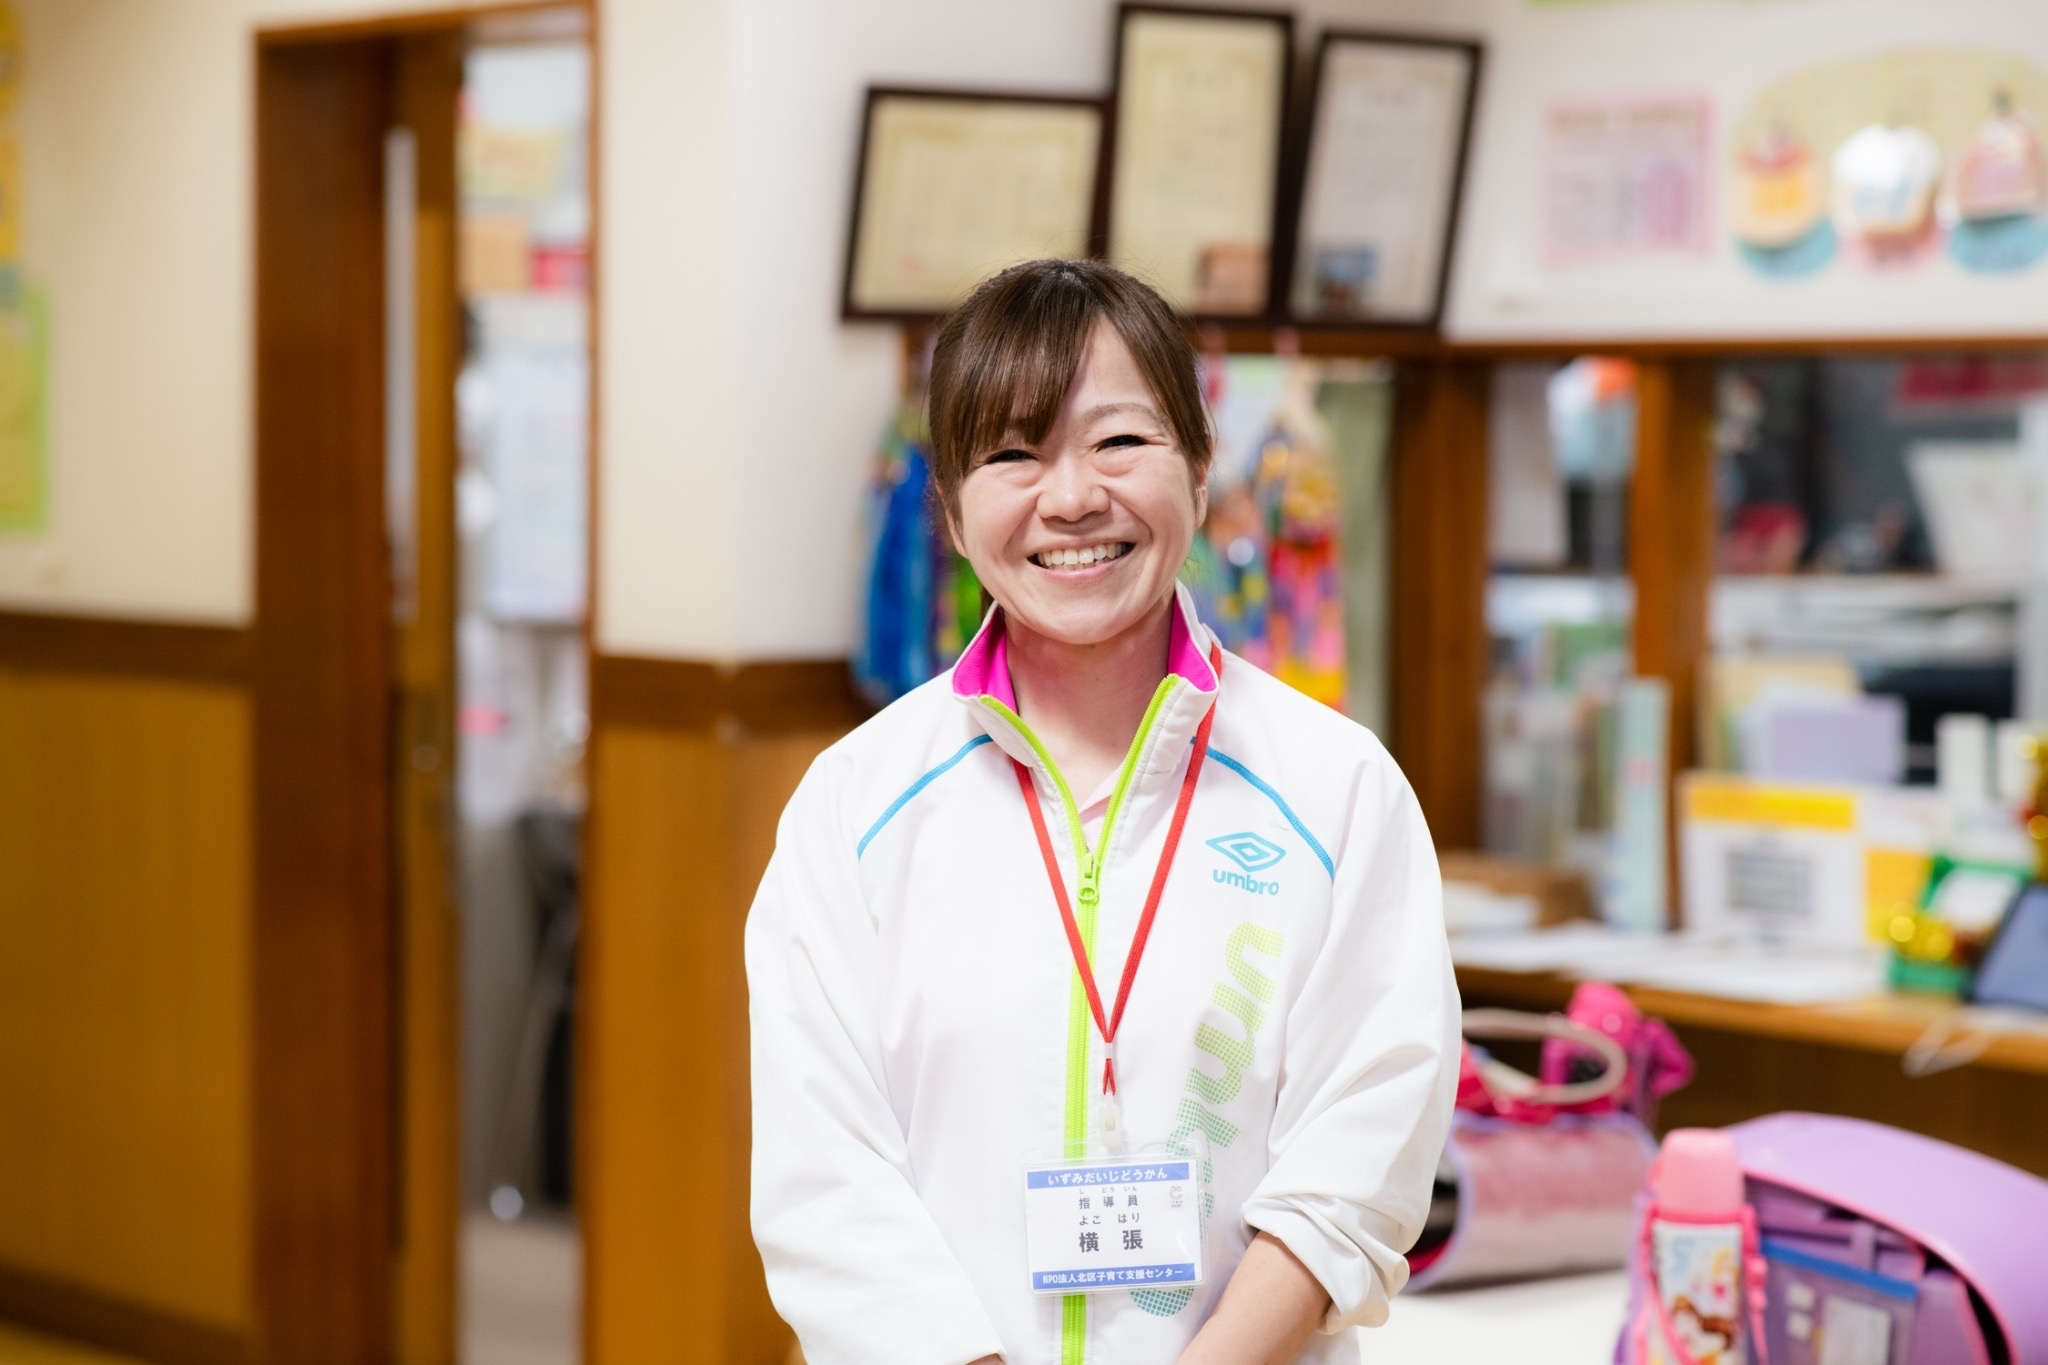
(1698, 1175)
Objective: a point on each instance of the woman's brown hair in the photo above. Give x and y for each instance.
(1005, 359)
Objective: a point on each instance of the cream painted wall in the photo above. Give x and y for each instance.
(671, 541)
(136, 145)
(737, 413)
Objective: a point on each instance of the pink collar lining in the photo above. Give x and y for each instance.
(984, 667)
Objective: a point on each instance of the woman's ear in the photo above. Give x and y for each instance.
(1201, 499)
(949, 520)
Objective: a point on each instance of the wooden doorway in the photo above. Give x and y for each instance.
(359, 338)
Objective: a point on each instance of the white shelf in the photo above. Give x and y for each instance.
(1871, 619)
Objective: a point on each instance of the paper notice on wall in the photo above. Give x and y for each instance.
(24, 325)
(23, 467)
(1626, 178)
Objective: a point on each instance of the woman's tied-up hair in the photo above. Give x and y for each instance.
(1006, 358)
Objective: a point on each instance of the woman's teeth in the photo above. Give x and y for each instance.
(1083, 557)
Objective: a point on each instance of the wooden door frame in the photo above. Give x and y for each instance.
(327, 1202)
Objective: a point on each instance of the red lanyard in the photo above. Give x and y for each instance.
(1108, 1024)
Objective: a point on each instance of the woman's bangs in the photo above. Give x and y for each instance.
(1032, 358)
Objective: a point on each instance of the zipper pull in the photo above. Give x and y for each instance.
(1090, 891)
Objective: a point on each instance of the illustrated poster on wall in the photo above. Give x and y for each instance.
(1888, 160)
(1626, 178)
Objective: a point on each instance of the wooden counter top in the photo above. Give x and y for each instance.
(1888, 1024)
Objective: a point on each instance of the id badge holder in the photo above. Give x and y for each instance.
(1115, 1221)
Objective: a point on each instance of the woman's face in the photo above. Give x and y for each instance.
(1079, 536)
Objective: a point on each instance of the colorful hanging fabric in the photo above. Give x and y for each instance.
(922, 601)
(895, 651)
(1266, 569)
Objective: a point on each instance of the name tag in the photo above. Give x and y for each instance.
(1127, 1223)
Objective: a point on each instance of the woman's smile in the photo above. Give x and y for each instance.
(1069, 560)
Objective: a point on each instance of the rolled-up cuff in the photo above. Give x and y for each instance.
(1360, 1271)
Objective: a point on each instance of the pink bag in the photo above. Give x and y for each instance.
(1540, 1177)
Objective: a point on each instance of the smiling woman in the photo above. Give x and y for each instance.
(961, 1152)
(1071, 451)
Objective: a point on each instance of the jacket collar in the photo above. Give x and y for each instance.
(981, 682)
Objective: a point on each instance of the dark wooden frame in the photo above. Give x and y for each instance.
(322, 938)
(1283, 144)
(851, 310)
(1297, 189)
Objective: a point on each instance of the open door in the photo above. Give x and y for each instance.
(360, 340)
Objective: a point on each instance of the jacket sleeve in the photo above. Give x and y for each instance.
(855, 1263)
(1370, 1064)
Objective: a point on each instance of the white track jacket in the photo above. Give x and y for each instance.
(920, 1032)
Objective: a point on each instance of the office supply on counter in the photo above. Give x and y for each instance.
(1706, 965)
(1938, 944)
(1808, 738)
(2014, 970)
(1803, 863)
(1735, 681)
(1559, 894)
(1962, 759)
(1636, 890)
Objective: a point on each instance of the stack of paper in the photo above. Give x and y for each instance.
(1765, 973)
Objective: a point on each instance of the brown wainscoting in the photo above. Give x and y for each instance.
(149, 649)
(94, 1319)
(690, 764)
(124, 1003)
(757, 699)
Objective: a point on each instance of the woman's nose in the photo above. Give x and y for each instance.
(1071, 490)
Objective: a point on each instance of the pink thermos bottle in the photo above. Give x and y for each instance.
(1699, 1252)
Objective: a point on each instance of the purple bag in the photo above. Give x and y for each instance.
(1888, 1248)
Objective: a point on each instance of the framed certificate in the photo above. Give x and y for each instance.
(1385, 161)
(952, 186)
(1195, 145)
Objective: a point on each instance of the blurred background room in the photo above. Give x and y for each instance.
(461, 462)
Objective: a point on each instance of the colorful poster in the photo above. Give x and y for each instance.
(1887, 161)
(24, 332)
(1626, 178)
(23, 348)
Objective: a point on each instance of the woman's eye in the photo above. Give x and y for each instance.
(1120, 442)
(1007, 457)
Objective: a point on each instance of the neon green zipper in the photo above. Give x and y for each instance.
(1087, 898)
